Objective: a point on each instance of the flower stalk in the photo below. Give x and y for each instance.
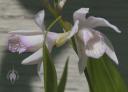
(50, 26)
(64, 24)
(55, 13)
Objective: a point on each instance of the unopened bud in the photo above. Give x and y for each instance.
(61, 3)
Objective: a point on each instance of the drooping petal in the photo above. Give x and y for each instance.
(83, 36)
(25, 32)
(40, 70)
(39, 19)
(80, 14)
(93, 22)
(111, 53)
(110, 50)
(81, 54)
(34, 58)
(74, 29)
(63, 37)
(21, 43)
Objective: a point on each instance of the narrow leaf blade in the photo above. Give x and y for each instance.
(63, 80)
(50, 75)
(104, 76)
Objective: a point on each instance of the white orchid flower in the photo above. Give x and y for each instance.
(90, 42)
(29, 41)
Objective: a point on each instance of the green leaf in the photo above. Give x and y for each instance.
(104, 76)
(62, 84)
(50, 75)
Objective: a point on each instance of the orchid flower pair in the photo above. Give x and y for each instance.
(90, 42)
(29, 41)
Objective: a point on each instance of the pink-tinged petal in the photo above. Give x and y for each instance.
(39, 19)
(97, 50)
(80, 14)
(52, 35)
(51, 40)
(74, 30)
(81, 54)
(21, 50)
(93, 22)
(34, 58)
(25, 32)
(95, 47)
(85, 35)
(20, 43)
(110, 50)
(32, 41)
(14, 44)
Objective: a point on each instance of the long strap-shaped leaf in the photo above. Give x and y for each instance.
(50, 75)
(63, 80)
(104, 76)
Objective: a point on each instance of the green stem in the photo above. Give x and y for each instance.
(61, 21)
(53, 23)
(55, 14)
(50, 26)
